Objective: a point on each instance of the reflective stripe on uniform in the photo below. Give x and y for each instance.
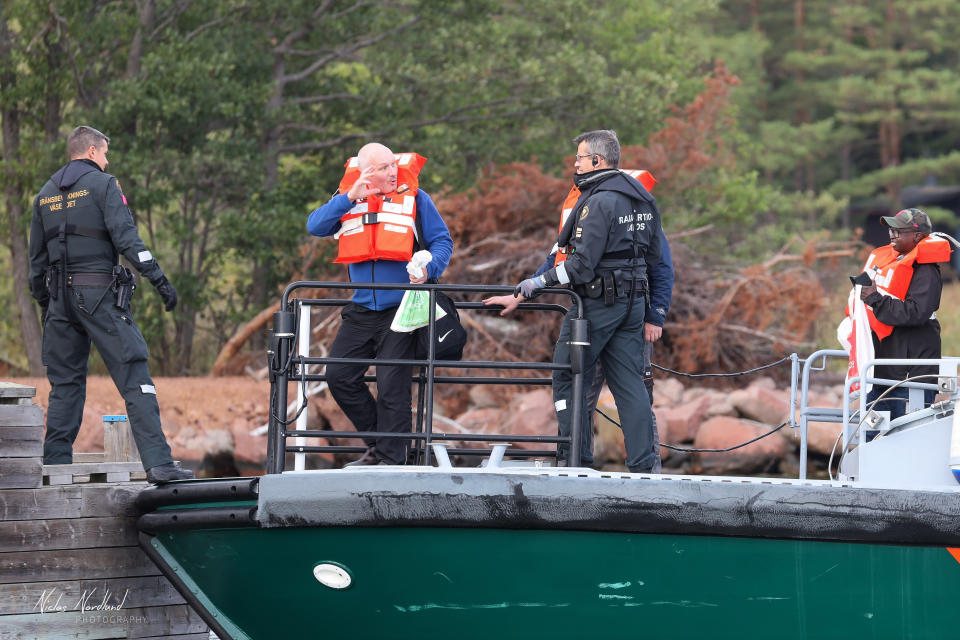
(144, 256)
(148, 388)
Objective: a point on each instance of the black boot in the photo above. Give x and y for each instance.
(167, 472)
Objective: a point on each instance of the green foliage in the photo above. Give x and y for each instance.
(10, 351)
(230, 121)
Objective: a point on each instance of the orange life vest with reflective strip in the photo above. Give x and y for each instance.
(380, 227)
(646, 179)
(893, 276)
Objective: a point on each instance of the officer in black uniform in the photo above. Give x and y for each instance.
(612, 234)
(81, 224)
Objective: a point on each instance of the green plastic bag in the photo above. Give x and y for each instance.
(414, 312)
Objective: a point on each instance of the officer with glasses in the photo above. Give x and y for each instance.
(610, 237)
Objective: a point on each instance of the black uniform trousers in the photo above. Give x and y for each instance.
(593, 396)
(616, 341)
(66, 349)
(365, 333)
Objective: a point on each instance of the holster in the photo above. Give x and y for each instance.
(626, 284)
(124, 283)
(52, 280)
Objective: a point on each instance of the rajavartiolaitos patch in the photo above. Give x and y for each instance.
(585, 212)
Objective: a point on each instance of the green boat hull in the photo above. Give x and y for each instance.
(423, 582)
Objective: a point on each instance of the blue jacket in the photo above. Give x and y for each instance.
(325, 221)
(660, 276)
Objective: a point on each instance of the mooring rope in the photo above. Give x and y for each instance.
(691, 450)
(720, 375)
(712, 375)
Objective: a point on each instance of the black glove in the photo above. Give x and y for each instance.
(167, 293)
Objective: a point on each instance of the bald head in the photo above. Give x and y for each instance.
(373, 153)
(379, 165)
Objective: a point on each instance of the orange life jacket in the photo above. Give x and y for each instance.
(646, 179)
(380, 227)
(893, 276)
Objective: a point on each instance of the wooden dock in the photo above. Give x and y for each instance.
(70, 566)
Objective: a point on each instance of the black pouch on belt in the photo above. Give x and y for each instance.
(609, 289)
(594, 288)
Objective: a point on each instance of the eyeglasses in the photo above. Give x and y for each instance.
(581, 156)
(896, 233)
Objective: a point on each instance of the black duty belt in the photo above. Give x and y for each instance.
(627, 287)
(89, 280)
(611, 286)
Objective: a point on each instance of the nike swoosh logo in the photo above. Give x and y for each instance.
(445, 335)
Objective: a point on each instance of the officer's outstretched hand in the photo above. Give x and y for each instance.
(167, 293)
(528, 287)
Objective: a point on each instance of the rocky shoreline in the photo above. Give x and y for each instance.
(687, 417)
(210, 424)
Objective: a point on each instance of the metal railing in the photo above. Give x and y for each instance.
(852, 433)
(286, 365)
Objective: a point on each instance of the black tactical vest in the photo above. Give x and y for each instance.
(71, 207)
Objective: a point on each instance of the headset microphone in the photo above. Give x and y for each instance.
(596, 160)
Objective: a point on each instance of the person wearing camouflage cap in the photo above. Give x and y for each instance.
(902, 302)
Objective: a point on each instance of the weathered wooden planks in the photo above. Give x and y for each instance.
(38, 597)
(140, 622)
(71, 501)
(16, 391)
(68, 533)
(70, 567)
(118, 443)
(74, 564)
(21, 441)
(21, 415)
(20, 473)
(84, 472)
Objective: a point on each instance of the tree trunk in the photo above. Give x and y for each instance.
(183, 340)
(147, 17)
(29, 326)
(845, 175)
(13, 190)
